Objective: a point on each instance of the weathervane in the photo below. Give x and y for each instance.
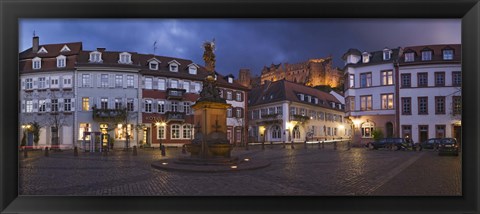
(154, 47)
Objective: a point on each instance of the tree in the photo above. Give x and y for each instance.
(56, 120)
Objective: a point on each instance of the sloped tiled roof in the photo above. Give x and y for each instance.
(376, 57)
(437, 56)
(284, 90)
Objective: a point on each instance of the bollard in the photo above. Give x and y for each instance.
(25, 153)
(263, 145)
(334, 145)
(46, 151)
(162, 147)
(134, 151)
(75, 151)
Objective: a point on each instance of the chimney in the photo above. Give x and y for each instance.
(35, 44)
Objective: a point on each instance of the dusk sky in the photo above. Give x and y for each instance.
(242, 43)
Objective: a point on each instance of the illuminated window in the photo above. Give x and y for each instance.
(160, 132)
(387, 77)
(85, 103)
(121, 132)
(387, 101)
(175, 131)
(367, 129)
(366, 103)
(276, 132)
(84, 127)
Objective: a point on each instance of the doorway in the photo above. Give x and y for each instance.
(389, 127)
(457, 134)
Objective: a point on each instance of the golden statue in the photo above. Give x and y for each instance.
(209, 55)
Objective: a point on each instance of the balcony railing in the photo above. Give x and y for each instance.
(109, 114)
(175, 93)
(270, 119)
(299, 118)
(175, 116)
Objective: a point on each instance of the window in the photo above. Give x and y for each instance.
(148, 106)
(53, 82)
(174, 67)
(67, 81)
(276, 132)
(41, 83)
(229, 95)
(406, 105)
(104, 103)
(95, 56)
(187, 131)
(161, 84)
(457, 105)
(422, 79)
(367, 129)
(161, 132)
(118, 81)
(161, 106)
(321, 115)
(130, 104)
(125, 58)
(29, 106)
(365, 57)
(439, 78)
(296, 132)
(186, 107)
(61, 61)
(148, 83)
(439, 131)
(387, 77)
(104, 81)
(86, 80)
(456, 78)
(406, 83)
(197, 87)
(439, 105)
(54, 105)
(192, 70)
(293, 111)
(42, 105)
(422, 105)
(153, 66)
(409, 57)
(366, 103)
(85, 103)
(118, 103)
(174, 106)
(175, 131)
(239, 96)
(351, 81)
(426, 55)
(229, 112)
(84, 127)
(186, 86)
(239, 112)
(279, 110)
(28, 83)
(121, 132)
(387, 101)
(386, 54)
(36, 63)
(447, 54)
(365, 80)
(67, 105)
(351, 103)
(173, 83)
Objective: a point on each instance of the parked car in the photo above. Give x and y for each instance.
(448, 146)
(431, 143)
(389, 143)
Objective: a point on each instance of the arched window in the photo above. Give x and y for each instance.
(175, 131)
(367, 129)
(187, 131)
(276, 132)
(296, 132)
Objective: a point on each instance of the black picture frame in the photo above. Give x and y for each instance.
(11, 11)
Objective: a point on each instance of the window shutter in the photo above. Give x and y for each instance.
(99, 80)
(23, 105)
(135, 104)
(73, 104)
(143, 83)
(111, 80)
(23, 84)
(168, 106)
(124, 81)
(47, 82)
(143, 105)
(60, 104)
(92, 80)
(111, 103)
(98, 102)
(35, 105)
(242, 96)
(155, 83)
(35, 83)
(135, 81)
(242, 114)
(154, 105)
(48, 105)
(79, 80)
(180, 106)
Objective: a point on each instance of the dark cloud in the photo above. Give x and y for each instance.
(243, 43)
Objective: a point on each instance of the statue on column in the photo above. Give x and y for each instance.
(209, 90)
(209, 56)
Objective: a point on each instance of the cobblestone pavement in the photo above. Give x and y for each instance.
(299, 171)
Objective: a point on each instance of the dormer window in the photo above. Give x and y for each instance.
(42, 50)
(230, 80)
(36, 63)
(61, 61)
(173, 65)
(95, 56)
(365, 57)
(387, 54)
(448, 54)
(153, 65)
(300, 96)
(409, 57)
(426, 55)
(125, 58)
(192, 69)
(65, 49)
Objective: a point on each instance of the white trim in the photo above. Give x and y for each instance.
(42, 50)
(65, 48)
